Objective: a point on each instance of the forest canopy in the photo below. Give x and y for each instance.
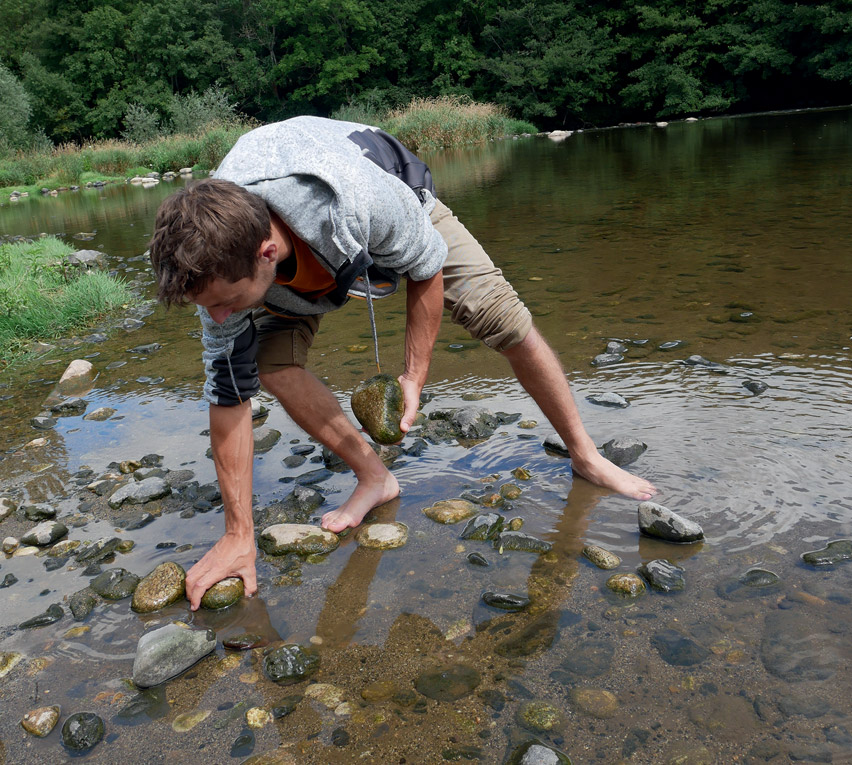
(78, 69)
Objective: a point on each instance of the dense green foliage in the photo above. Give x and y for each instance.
(100, 68)
(42, 295)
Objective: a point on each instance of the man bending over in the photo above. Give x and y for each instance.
(302, 214)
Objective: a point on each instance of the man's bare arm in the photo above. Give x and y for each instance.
(424, 305)
(234, 554)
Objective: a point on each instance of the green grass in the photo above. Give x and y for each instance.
(43, 297)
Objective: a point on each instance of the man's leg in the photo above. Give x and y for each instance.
(315, 409)
(481, 300)
(283, 345)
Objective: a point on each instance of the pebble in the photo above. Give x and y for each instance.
(595, 702)
(257, 717)
(223, 594)
(521, 474)
(505, 601)
(10, 544)
(608, 399)
(330, 696)
(477, 559)
(265, 438)
(115, 584)
(756, 387)
(82, 731)
(100, 414)
(244, 642)
(510, 491)
(482, 527)
(381, 690)
(302, 538)
(81, 604)
(623, 450)
(291, 663)
(629, 585)
(53, 614)
(601, 558)
(162, 587)
(539, 716)
(660, 522)
(140, 492)
(39, 722)
(662, 575)
(188, 720)
(166, 652)
(448, 683)
(607, 359)
(382, 536)
(450, 510)
(536, 753)
(45, 533)
(8, 661)
(7, 507)
(517, 540)
(678, 649)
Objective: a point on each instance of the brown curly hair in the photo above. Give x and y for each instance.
(207, 230)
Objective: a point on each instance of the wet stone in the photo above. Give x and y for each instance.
(590, 658)
(290, 664)
(378, 405)
(43, 423)
(243, 744)
(614, 346)
(381, 690)
(82, 731)
(115, 584)
(8, 581)
(223, 594)
(677, 649)
(539, 716)
(477, 559)
(483, 527)
(809, 707)
(624, 450)
(554, 444)
(294, 461)
(244, 642)
(470, 423)
(168, 651)
(45, 533)
(754, 583)
(595, 702)
(448, 683)
(98, 551)
(8, 661)
(608, 399)
(607, 359)
(628, 585)
(538, 635)
(662, 575)
(517, 540)
(521, 474)
(671, 345)
(755, 387)
(450, 510)
(70, 407)
(601, 558)
(39, 722)
(81, 604)
(140, 492)
(660, 522)
(835, 552)
(510, 491)
(53, 614)
(162, 587)
(264, 438)
(38, 512)
(100, 414)
(304, 539)
(297, 507)
(382, 536)
(536, 753)
(505, 601)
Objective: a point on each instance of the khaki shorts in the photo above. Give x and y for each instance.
(476, 294)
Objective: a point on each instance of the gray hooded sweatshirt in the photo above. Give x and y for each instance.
(356, 197)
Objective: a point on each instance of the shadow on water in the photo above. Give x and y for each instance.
(730, 236)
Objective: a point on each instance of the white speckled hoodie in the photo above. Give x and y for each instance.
(355, 196)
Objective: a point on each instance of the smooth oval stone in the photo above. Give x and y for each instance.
(82, 731)
(759, 577)
(607, 359)
(515, 524)
(81, 604)
(623, 451)
(608, 399)
(166, 652)
(677, 649)
(450, 510)
(662, 575)
(45, 533)
(833, 553)
(244, 642)
(658, 521)
(449, 683)
(539, 716)
(115, 584)
(505, 601)
(188, 720)
(517, 540)
(162, 587)
(600, 557)
(671, 345)
(223, 594)
(382, 536)
(53, 614)
(756, 387)
(595, 702)
(302, 538)
(536, 753)
(477, 559)
(510, 491)
(8, 661)
(140, 492)
(290, 664)
(626, 584)
(264, 438)
(243, 744)
(39, 722)
(482, 527)
(378, 405)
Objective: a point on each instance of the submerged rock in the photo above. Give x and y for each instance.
(538, 635)
(623, 451)
(115, 584)
(53, 614)
(608, 399)
(677, 649)
(629, 585)
(82, 731)
(450, 510)
(470, 423)
(755, 387)
(297, 507)
(601, 558)
(662, 575)
(483, 527)
(223, 594)
(382, 536)
(70, 407)
(300, 538)
(607, 359)
(448, 683)
(539, 716)
(166, 652)
(517, 540)
(505, 601)
(45, 533)
(81, 604)
(78, 376)
(290, 664)
(833, 553)
(162, 587)
(660, 522)
(536, 753)
(39, 722)
(140, 492)
(595, 702)
(378, 405)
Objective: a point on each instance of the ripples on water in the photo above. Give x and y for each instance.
(643, 234)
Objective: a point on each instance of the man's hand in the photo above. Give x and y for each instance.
(232, 555)
(411, 400)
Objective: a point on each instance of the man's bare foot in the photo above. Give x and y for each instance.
(600, 471)
(367, 495)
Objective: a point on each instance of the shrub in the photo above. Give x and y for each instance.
(140, 124)
(193, 112)
(14, 114)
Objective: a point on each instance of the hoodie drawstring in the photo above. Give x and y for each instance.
(372, 320)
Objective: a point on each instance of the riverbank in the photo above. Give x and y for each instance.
(423, 124)
(48, 289)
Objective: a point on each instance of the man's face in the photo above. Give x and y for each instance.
(222, 298)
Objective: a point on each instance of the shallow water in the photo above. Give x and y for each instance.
(729, 235)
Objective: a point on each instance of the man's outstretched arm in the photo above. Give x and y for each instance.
(234, 554)
(424, 306)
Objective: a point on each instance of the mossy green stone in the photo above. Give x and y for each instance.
(162, 587)
(378, 405)
(223, 594)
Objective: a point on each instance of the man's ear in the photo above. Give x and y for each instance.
(268, 253)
